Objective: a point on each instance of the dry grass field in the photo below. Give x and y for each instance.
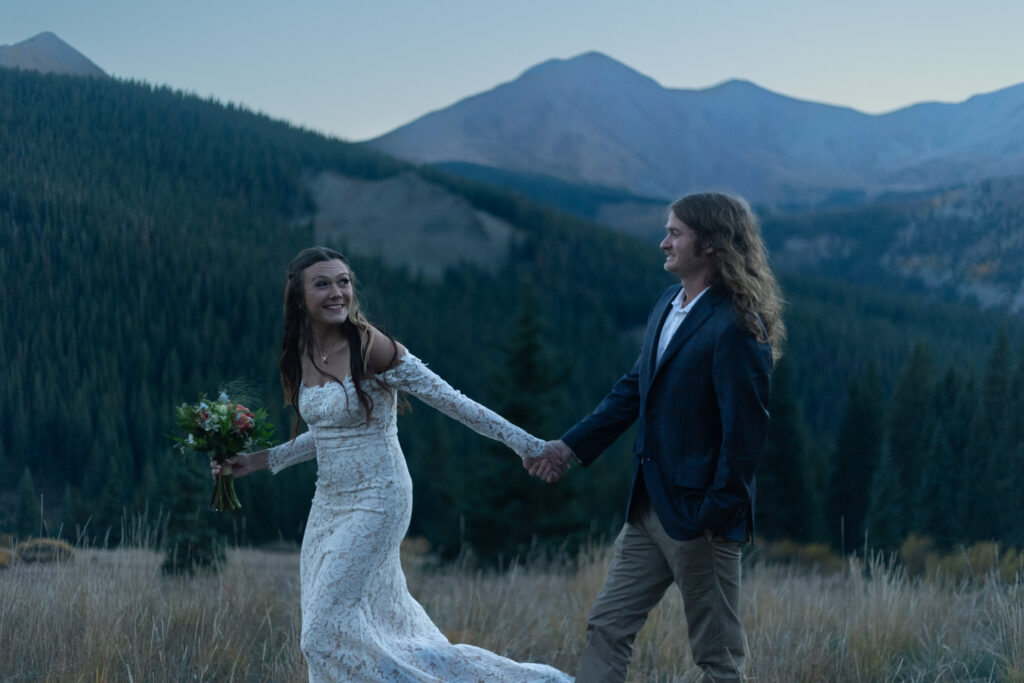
(112, 616)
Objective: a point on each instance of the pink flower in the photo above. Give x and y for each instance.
(243, 419)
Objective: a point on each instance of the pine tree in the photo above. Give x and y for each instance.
(69, 515)
(857, 454)
(938, 510)
(1012, 532)
(6, 468)
(885, 523)
(896, 482)
(193, 540)
(28, 518)
(785, 506)
(986, 477)
(442, 503)
(510, 509)
(109, 508)
(147, 488)
(910, 420)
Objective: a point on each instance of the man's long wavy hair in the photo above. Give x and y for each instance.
(740, 261)
(298, 334)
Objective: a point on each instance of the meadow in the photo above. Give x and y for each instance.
(111, 615)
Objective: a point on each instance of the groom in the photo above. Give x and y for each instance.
(699, 391)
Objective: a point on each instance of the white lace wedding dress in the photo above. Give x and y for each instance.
(359, 622)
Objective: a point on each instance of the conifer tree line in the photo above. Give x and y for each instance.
(940, 456)
(143, 239)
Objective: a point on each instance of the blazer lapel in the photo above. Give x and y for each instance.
(653, 334)
(700, 312)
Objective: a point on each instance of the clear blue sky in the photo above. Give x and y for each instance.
(358, 68)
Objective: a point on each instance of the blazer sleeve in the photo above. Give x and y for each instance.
(741, 376)
(613, 415)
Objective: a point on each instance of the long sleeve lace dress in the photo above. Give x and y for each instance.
(359, 622)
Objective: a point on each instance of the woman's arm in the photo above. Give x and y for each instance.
(275, 459)
(412, 375)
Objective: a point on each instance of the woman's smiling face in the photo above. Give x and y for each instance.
(328, 286)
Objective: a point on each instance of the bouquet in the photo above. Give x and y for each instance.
(221, 428)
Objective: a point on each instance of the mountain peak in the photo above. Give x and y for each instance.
(736, 84)
(44, 38)
(739, 87)
(588, 66)
(47, 53)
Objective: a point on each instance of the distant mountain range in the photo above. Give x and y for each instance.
(49, 54)
(591, 120)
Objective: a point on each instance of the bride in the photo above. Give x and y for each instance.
(359, 622)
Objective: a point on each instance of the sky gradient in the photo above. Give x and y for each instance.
(356, 69)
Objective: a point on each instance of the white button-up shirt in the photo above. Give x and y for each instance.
(676, 315)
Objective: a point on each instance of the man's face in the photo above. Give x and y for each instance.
(683, 255)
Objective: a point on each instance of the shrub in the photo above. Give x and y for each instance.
(44, 550)
(1011, 566)
(953, 567)
(914, 553)
(983, 557)
(788, 552)
(822, 556)
(6, 558)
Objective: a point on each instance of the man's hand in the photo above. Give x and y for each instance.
(552, 464)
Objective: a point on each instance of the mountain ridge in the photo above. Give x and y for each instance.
(592, 120)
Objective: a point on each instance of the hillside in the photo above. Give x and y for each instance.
(961, 244)
(143, 237)
(965, 243)
(590, 120)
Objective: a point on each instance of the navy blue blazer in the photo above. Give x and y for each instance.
(703, 419)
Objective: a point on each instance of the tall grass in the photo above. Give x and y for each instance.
(111, 615)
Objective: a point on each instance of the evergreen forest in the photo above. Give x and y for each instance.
(144, 235)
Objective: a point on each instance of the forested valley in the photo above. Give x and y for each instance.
(144, 235)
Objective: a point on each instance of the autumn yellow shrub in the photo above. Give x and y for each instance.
(822, 556)
(1011, 566)
(983, 557)
(788, 552)
(44, 550)
(6, 558)
(914, 553)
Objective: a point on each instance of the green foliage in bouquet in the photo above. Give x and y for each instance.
(221, 428)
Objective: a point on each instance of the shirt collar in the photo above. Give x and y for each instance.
(677, 302)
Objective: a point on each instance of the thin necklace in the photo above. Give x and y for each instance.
(323, 356)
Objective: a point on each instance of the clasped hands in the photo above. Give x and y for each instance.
(552, 463)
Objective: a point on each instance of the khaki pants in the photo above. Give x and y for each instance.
(646, 562)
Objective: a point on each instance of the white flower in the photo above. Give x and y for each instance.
(223, 397)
